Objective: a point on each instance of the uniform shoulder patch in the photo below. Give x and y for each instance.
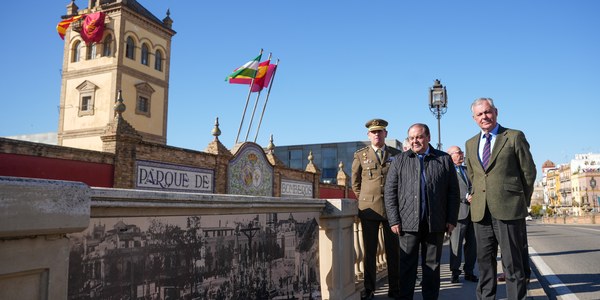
(362, 149)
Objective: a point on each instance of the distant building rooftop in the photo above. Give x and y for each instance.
(50, 138)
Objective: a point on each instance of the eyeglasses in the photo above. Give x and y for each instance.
(455, 152)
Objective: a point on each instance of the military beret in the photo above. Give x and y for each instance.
(376, 124)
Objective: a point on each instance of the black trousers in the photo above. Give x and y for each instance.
(430, 244)
(370, 234)
(510, 235)
(463, 232)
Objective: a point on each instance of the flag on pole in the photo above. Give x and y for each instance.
(263, 82)
(262, 79)
(62, 26)
(93, 27)
(248, 70)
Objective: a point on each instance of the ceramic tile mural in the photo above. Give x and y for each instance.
(250, 173)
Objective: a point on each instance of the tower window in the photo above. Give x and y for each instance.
(145, 54)
(143, 99)
(107, 46)
(130, 48)
(143, 105)
(91, 52)
(86, 103)
(158, 61)
(87, 91)
(76, 51)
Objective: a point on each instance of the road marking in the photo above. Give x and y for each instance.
(562, 291)
(590, 229)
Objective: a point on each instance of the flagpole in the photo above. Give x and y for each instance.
(255, 104)
(246, 107)
(252, 118)
(266, 100)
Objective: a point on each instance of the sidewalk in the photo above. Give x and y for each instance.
(465, 290)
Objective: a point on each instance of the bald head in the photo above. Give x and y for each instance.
(458, 157)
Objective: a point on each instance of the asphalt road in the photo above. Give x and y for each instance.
(567, 259)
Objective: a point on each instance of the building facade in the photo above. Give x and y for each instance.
(133, 56)
(571, 189)
(327, 156)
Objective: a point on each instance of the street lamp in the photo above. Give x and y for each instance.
(438, 103)
(593, 186)
(586, 202)
(563, 193)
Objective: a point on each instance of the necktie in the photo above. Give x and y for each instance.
(379, 153)
(462, 175)
(461, 170)
(423, 188)
(485, 157)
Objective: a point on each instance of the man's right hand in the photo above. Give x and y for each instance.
(396, 229)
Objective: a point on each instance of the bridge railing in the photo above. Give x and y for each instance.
(38, 217)
(359, 255)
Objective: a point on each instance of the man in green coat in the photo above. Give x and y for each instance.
(502, 172)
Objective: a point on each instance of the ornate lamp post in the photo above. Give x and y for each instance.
(438, 103)
(593, 186)
(586, 202)
(552, 204)
(563, 193)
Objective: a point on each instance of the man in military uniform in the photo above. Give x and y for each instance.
(369, 170)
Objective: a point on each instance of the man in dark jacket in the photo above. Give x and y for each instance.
(421, 201)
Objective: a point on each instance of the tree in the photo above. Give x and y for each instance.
(536, 210)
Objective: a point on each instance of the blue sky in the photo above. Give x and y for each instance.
(343, 63)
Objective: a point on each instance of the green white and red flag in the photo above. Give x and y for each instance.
(247, 71)
(262, 78)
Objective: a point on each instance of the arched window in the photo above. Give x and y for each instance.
(90, 52)
(76, 51)
(107, 46)
(158, 60)
(130, 48)
(145, 54)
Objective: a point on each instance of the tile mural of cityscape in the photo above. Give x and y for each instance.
(265, 256)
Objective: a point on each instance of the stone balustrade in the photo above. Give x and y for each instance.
(39, 219)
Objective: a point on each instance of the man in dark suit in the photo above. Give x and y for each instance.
(502, 173)
(421, 201)
(464, 227)
(369, 170)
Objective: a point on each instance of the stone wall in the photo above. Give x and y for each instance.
(123, 148)
(35, 217)
(41, 220)
(589, 218)
(27, 159)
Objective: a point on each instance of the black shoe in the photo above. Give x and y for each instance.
(394, 294)
(368, 295)
(471, 277)
(455, 279)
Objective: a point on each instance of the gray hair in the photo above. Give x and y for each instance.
(480, 100)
